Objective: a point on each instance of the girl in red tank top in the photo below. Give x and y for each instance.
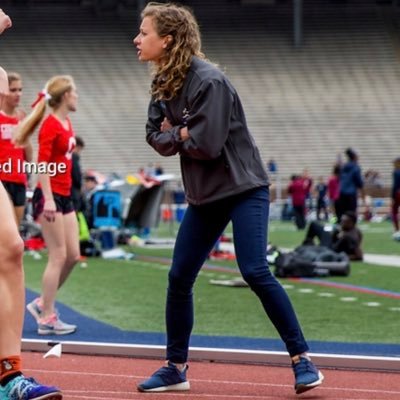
(12, 158)
(52, 201)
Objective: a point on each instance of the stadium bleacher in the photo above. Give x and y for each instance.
(304, 105)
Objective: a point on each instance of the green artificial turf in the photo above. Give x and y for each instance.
(130, 294)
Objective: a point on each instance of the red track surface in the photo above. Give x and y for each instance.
(103, 378)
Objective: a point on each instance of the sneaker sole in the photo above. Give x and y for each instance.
(33, 312)
(52, 396)
(171, 388)
(53, 332)
(304, 388)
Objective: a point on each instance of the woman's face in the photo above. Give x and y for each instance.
(14, 94)
(71, 99)
(150, 46)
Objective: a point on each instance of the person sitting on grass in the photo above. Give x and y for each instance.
(345, 237)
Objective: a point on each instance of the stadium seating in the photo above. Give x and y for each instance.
(304, 105)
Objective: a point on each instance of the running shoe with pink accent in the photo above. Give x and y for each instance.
(54, 326)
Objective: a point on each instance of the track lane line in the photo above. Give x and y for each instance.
(212, 381)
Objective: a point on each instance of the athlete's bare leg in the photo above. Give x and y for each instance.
(62, 240)
(11, 280)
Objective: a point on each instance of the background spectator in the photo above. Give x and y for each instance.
(395, 194)
(76, 173)
(351, 182)
(321, 189)
(272, 166)
(298, 193)
(307, 182)
(334, 189)
(345, 238)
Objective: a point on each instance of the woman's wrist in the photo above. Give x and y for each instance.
(184, 133)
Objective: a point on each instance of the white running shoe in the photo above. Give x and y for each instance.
(396, 236)
(54, 326)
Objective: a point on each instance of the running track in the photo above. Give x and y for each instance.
(103, 378)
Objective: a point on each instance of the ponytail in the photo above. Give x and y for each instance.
(52, 95)
(30, 123)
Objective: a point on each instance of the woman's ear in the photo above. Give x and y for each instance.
(168, 41)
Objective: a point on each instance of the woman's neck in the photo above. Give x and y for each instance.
(10, 111)
(61, 114)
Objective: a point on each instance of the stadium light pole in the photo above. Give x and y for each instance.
(298, 22)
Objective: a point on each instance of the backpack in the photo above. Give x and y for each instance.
(312, 261)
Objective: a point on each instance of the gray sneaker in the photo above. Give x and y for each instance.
(54, 326)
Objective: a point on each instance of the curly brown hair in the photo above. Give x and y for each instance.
(178, 22)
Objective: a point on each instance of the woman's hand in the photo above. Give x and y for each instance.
(49, 210)
(5, 21)
(16, 141)
(184, 133)
(165, 125)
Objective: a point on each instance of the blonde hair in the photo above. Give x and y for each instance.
(56, 87)
(180, 23)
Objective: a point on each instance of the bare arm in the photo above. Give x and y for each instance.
(28, 149)
(3, 85)
(5, 22)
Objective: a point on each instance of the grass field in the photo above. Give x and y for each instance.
(130, 294)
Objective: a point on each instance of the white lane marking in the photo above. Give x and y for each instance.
(348, 298)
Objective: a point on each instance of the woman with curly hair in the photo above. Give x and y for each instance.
(196, 112)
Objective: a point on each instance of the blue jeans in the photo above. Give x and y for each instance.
(200, 229)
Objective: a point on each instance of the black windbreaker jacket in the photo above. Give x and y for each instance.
(220, 158)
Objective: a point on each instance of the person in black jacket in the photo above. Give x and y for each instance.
(351, 184)
(76, 174)
(195, 112)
